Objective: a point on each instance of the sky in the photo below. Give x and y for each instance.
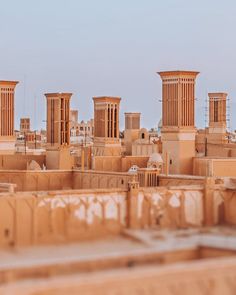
(108, 47)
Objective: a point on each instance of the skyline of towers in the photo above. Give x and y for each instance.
(178, 117)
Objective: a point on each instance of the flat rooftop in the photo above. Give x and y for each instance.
(139, 255)
(131, 244)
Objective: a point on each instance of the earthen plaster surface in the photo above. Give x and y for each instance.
(131, 243)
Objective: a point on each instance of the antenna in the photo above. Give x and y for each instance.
(206, 108)
(35, 112)
(24, 100)
(206, 121)
(228, 102)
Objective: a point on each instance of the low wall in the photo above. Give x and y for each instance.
(36, 218)
(100, 179)
(47, 180)
(171, 207)
(216, 167)
(19, 161)
(128, 161)
(118, 163)
(203, 277)
(59, 216)
(27, 180)
(63, 216)
(173, 180)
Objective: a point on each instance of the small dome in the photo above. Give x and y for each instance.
(155, 158)
(33, 165)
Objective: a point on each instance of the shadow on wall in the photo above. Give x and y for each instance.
(36, 218)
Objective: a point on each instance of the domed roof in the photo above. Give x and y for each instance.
(33, 165)
(155, 157)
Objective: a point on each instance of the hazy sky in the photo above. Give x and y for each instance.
(106, 47)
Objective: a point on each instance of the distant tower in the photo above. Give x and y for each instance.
(7, 94)
(132, 121)
(178, 119)
(217, 112)
(24, 125)
(58, 119)
(106, 126)
(7, 101)
(74, 118)
(131, 133)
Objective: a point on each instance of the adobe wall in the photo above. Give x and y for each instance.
(144, 149)
(219, 150)
(27, 180)
(60, 216)
(216, 167)
(215, 148)
(181, 150)
(19, 161)
(60, 159)
(174, 180)
(224, 167)
(47, 180)
(100, 179)
(63, 216)
(127, 162)
(108, 163)
(216, 276)
(118, 163)
(223, 207)
(77, 179)
(201, 166)
(170, 208)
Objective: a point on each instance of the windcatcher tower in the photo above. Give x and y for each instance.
(7, 102)
(217, 112)
(132, 121)
(217, 118)
(24, 125)
(74, 118)
(131, 133)
(58, 119)
(58, 130)
(106, 126)
(178, 115)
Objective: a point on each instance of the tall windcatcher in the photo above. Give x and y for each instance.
(58, 119)
(7, 114)
(217, 111)
(178, 115)
(106, 126)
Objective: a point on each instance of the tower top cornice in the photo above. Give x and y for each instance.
(178, 73)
